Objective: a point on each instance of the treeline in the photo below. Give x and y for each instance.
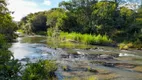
(121, 24)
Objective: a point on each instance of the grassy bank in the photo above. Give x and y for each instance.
(85, 38)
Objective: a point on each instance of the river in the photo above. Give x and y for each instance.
(104, 63)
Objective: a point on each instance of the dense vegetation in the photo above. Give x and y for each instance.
(34, 23)
(11, 68)
(85, 38)
(121, 24)
(42, 70)
(7, 26)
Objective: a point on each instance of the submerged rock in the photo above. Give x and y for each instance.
(109, 64)
(75, 55)
(94, 48)
(65, 55)
(115, 55)
(93, 70)
(92, 56)
(87, 48)
(104, 56)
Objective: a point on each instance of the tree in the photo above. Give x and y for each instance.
(104, 14)
(9, 67)
(7, 26)
(34, 23)
(39, 23)
(128, 15)
(81, 9)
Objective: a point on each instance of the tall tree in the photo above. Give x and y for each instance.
(82, 10)
(34, 23)
(7, 26)
(9, 67)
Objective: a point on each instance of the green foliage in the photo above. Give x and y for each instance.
(103, 17)
(85, 38)
(20, 30)
(55, 17)
(9, 67)
(58, 18)
(7, 26)
(53, 36)
(133, 33)
(10, 70)
(138, 44)
(50, 32)
(41, 70)
(81, 11)
(125, 45)
(33, 23)
(127, 15)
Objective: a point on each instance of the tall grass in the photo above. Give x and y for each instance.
(85, 38)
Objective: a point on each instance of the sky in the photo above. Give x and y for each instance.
(23, 7)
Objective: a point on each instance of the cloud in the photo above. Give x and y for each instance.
(47, 2)
(21, 8)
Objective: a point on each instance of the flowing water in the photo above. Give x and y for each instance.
(79, 61)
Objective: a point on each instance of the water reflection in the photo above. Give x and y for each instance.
(29, 47)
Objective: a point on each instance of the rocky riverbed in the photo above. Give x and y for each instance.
(99, 62)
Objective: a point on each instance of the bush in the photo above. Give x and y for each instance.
(125, 45)
(42, 70)
(138, 44)
(9, 67)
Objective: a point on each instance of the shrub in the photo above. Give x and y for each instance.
(123, 46)
(137, 44)
(41, 70)
(9, 67)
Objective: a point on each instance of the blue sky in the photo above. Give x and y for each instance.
(23, 7)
